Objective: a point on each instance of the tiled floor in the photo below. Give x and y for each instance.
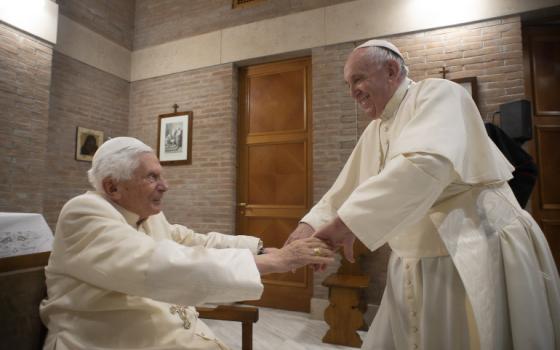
(277, 330)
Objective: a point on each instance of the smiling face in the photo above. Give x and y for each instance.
(143, 193)
(371, 83)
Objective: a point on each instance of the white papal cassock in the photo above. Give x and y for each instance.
(113, 284)
(469, 268)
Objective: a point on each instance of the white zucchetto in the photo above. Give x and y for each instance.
(381, 43)
(115, 145)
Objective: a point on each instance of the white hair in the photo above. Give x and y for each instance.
(381, 55)
(117, 158)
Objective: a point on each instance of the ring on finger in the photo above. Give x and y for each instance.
(317, 251)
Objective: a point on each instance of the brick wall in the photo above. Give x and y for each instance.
(201, 195)
(25, 77)
(114, 19)
(489, 50)
(166, 20)
(80, 96)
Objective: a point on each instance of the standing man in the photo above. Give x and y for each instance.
(121, 277)
(469, 268)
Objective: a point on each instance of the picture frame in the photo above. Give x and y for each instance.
(87, 143)
(471, 85)
(174, 146)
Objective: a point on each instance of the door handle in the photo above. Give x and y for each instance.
(242, 208)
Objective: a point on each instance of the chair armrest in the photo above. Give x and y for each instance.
(229, 313)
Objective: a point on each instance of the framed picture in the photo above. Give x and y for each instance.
(87, 142)
(470, 84)
(175, 138)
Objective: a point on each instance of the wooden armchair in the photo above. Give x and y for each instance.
(247, 315)
(22, 287)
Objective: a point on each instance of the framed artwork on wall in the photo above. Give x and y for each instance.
(471, 85)
(87, 142)
(174, 145)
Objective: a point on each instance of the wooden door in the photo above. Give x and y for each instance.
(542, 76)
(274, 175)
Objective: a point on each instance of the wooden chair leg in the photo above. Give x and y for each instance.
(247, 336)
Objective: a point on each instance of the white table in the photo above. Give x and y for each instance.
(24, 233)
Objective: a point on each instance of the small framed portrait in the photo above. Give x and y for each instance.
(175, 138)
(87, 142)
(470, 84)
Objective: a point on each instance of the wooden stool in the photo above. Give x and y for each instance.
(343, 315)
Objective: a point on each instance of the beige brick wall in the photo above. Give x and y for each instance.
(25, 78)
(489, 50)
(201, 195)
(166, 20)
(38, 135)
(114, 19)
(80, 96)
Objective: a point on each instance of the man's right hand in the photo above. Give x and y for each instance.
(337, 234)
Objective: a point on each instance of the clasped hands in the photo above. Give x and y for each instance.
(335, 234)
(309, 250)
(304, 246)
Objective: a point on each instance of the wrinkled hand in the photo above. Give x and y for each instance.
(337, 234)
(306, 251)
(294, 255)
(302, 231)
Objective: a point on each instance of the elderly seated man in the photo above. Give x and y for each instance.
(121, 277)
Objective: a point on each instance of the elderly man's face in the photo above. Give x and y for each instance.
(371, 84)
(143, 193)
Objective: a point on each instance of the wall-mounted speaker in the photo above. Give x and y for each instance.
(515, 120)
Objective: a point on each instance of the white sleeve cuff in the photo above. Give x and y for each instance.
(195, 275)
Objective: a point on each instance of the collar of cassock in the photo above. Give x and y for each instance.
(131, 218)
(395, 100)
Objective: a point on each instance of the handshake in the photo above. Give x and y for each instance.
(306, 246)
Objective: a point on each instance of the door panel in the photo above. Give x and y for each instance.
(546, 73)
(279, 95)
(277, 179)
(548, 144)
(274, 175)
(542, 75)
(552, 228)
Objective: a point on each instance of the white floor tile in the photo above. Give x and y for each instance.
(278, 330)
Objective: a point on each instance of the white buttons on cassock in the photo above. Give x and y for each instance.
(412, 301)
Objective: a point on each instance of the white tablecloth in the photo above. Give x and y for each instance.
(24, 233)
